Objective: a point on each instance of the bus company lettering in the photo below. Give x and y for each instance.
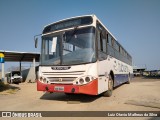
(120, 67)
(60, 68)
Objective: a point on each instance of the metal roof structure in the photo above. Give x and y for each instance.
(14, 56)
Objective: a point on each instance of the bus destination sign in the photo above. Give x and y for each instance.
(68, 23)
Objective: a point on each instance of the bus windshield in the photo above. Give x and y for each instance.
(71, 47)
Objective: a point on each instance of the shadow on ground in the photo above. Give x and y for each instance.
(72, 97)
(7, 89)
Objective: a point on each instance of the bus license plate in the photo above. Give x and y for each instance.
(59, 88)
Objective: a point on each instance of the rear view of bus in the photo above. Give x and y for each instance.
(72, 60)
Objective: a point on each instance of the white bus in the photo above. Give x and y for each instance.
(80, 56)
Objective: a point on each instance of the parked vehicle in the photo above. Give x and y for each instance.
(136, 73)
(14, 77)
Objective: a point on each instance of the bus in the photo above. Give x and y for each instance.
(80, 56)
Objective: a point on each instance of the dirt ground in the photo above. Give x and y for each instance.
(141, 95)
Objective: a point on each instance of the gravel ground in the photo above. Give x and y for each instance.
(141, 95)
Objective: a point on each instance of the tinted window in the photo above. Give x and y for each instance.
(109, 40)
(116, 46)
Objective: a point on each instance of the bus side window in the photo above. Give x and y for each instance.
(102, 48)
(104, 45)
(103, 42)
(109, 40)
(116, 46)
(110, 46)
(99, 41)
(112, 41)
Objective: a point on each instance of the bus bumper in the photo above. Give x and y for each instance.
(90, 88)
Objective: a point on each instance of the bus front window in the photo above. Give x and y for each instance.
(76, 47)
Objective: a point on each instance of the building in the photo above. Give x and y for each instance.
(138, 71)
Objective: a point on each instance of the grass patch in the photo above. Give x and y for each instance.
(7, 89)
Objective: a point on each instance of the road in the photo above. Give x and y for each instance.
(141, 95)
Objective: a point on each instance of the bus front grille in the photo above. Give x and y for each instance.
(54, 80)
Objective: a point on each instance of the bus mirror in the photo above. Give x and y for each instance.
(36, 42)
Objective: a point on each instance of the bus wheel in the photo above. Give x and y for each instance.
(129, 79)
(108, 93)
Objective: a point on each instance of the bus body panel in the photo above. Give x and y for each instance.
(65, 79)
(72, 71)
(90, 88)
(120, 69)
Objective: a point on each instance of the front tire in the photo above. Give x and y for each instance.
(108, 93)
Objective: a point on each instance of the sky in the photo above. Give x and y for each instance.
(134, 23)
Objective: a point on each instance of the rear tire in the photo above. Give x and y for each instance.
(108, 93)
(129, 79)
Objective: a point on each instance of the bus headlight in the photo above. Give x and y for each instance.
(43, 80)
(83, 80)
(87, 79)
